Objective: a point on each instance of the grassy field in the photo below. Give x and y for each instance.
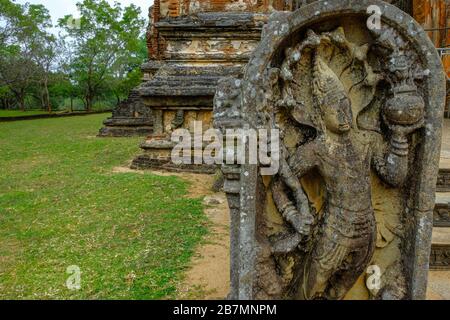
(18, 113)
(132, 235)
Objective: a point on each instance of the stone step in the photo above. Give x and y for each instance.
(442, 210)
(438, 285)
(440, 249)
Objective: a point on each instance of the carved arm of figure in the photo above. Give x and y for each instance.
(298, 214)
(391, 161)
(287, 208)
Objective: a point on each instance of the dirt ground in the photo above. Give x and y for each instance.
(209, 274)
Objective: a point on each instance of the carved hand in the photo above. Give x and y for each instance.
(404, 131)
(300, 222)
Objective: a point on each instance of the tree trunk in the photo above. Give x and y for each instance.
(22, 102)
(71, 104)
(88, 103)
(22, 99)
(89, 100)
(47, 96)
(42, 101)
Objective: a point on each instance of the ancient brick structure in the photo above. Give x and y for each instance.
(192, 44)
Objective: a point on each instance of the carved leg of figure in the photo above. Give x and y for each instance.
(325, 260)
(353, 267)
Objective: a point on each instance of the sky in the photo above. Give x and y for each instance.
(60, 8)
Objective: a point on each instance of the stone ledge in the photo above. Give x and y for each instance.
(128, 122)
(125, 131)
(157, 144)
(143, 162)
(211, 20)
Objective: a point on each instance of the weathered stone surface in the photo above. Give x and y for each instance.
(360, 114)
(146, 161)
(130, 118)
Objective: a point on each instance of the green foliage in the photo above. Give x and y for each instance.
(27, 50)
(61, 204)
(97, 63)
(105, 46)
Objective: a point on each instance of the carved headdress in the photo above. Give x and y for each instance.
(326, 84)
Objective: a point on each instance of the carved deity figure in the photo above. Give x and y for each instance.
(344, 156)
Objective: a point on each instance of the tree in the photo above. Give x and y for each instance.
(106, 45)
(123, 81)
(43, 49)
(62, 87)
(5, 97)
(26, 49)
(45, 56)
(10, 16)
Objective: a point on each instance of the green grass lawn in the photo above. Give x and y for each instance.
(132, 235)
(18, 113)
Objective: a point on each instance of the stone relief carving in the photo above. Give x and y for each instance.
(440, 257)
(342, 153)
(351, 107)
(442, 215)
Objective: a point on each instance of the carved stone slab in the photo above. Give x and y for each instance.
(349, 214)
(443, 183)
(129, 118)
(440, 257)
(442, 210)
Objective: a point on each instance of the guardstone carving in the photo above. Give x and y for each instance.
(359, 113)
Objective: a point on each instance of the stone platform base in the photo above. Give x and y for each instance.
(121, 126)
(125, 131)
(157, 155)
(145, 161)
